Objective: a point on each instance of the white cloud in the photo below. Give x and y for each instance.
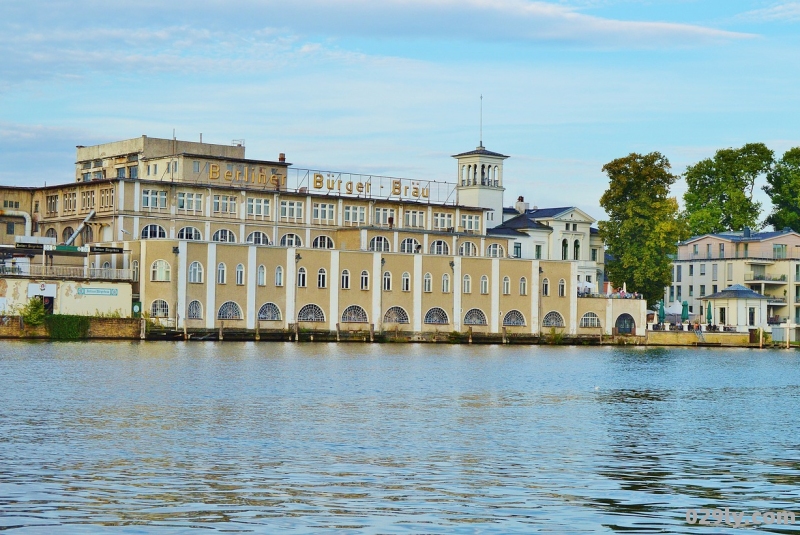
(783, 12)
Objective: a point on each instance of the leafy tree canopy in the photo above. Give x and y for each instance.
(783, 188)
(644, 224)
(720, 189)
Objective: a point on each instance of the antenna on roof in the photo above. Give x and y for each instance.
(481, 137)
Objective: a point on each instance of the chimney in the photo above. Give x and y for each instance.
(746, 232)
(282, 157)
(521, 205)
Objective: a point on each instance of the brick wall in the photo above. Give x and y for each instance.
(99, 328)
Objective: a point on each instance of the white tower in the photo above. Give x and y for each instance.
(480, 182)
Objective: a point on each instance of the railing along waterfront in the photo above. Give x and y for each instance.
(66, 272)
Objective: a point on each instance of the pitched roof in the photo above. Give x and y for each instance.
(480, 151)
(504, 231)
(737, 291)
(739, 237)
(539, 213)
(524, 221)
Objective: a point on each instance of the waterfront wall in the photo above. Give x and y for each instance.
(99, 328)
(689, 338)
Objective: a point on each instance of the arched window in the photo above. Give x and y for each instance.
(66, 234)
(440, 247)
(311, 313)
(291, 240)
(279, 276)
(160, 271)
(240, 274)
(427, 283)
(436, 316)
(322, 278)
(224, 235)
(387, 281)
(379, 244)
(484, 285)
(221, 274)
(405, 282)
(590, 319)
(159, 309)
(195, 311)
(365, 280)
(345, 279)
(51, 233)
(229, 311)
(513, 318)
(189, 233)
(576, 249)
(625, 324)
(262, 275)
(468, 249)
(322, 242)
(523, 286)
(506, 286)
(150, 232)
(258, 238)
(269, 312)
(564, 250)
(445, 283)
(475, 317)
(135, 270)
(87, 235)
(562, 288)
(409, 246)
(196, 272)
(467, 284)
(395, 315)
(354, 314)
(553, 319)
(495, 250)
(301, 277)
(545, 287)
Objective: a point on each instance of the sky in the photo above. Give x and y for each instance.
(393, 87)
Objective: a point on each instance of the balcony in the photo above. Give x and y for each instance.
(66, 272)
(760, 277)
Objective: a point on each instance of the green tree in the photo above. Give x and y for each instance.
(783, 188)
(33, 311)
(644, 224)
(720, 189)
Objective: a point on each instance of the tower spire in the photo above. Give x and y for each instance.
(481, 136)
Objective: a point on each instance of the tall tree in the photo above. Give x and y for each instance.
(783, 188)
(720, 189)
(644, 224)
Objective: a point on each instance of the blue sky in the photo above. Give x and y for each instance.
(392, 87)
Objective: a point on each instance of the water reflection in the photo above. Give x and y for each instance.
(393, 439)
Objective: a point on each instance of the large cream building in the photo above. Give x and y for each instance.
(210, 236)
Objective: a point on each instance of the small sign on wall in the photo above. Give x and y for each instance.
(98, 291)
(46, 290)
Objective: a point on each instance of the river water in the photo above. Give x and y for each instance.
(359, 438)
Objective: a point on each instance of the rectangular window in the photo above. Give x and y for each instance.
(86, 177)
(678, 273)
(258, 208)
(107, 198)
(671, 294)
(382, 216)
(70, 202)
(153, 199)
(52, 204)
(10, 229)
(87, 200)
(694, 249)
(414, 218)
(702, 290)
(538, 252)
(708, 250)
(174, 167)
(133, 172)
(594, 255)
(567, 227)
(292, 210)
(323, 213)
(678, 294)
(190, 202)
(442, 220)
(196, 167)
(224, 204)
(691, 270)
(730, 271)
(691, 290)
(121, 172)
(722, 250)
(713, 272)
(702, 269)
(517, 250)
(714, 288)
(778, 251)
(36, 207)
(355, 215)
(470, 223)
